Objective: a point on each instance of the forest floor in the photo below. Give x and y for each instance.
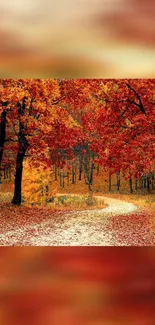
(120, 223)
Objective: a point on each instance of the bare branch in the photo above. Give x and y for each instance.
(140, 105)
(55, 102)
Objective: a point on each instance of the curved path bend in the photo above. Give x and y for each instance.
(77, 228)
(115, 206)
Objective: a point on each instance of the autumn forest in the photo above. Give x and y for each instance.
(89, 137)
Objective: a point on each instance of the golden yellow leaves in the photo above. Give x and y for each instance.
(105, 88)
(37, 183)
(128, 122)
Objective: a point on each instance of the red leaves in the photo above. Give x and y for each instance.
(43, 226)
(111, 121)
(97, 109)
(23, 216)
(135, 229)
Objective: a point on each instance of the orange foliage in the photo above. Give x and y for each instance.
(100, 121)
(37, 185)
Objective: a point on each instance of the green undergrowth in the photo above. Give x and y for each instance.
(77, 202)
(65, 202)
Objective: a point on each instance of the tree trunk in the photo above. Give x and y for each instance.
(80, 167)
(141, 184)
(2, 137)
(73, 173)
(90, 178)
(152, 182)
(91, 174)
(130, 182)
(55, 173)
(145, 184)
(109, 181)
(130, 185)
(22, 148)
(89, 187)
(4, 175)
(118, 180)
(0, 175)
(18, 175)
(148, 184)
(63, 179)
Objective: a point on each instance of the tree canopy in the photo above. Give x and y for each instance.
(104, 122)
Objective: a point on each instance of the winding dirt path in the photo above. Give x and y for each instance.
(115, 206)
(78, 228)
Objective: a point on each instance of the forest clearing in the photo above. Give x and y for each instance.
(77, 161)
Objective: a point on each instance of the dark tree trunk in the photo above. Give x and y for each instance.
(73, 173)
(145, 184)
(88, 170)
(130, 182)
(109, 181)
(97, 168)
(19, 171)
(141, 184)
(148, 184)
(0, 175)
(152, 182)
(63, 179)
(91, 174)
(89, 187)
(80, 167)
(118, 180)
(55, 173)
(22, 148)
(2, 133)
(2, 137)
(130, 185)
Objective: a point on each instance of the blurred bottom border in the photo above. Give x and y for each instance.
(77, 285)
